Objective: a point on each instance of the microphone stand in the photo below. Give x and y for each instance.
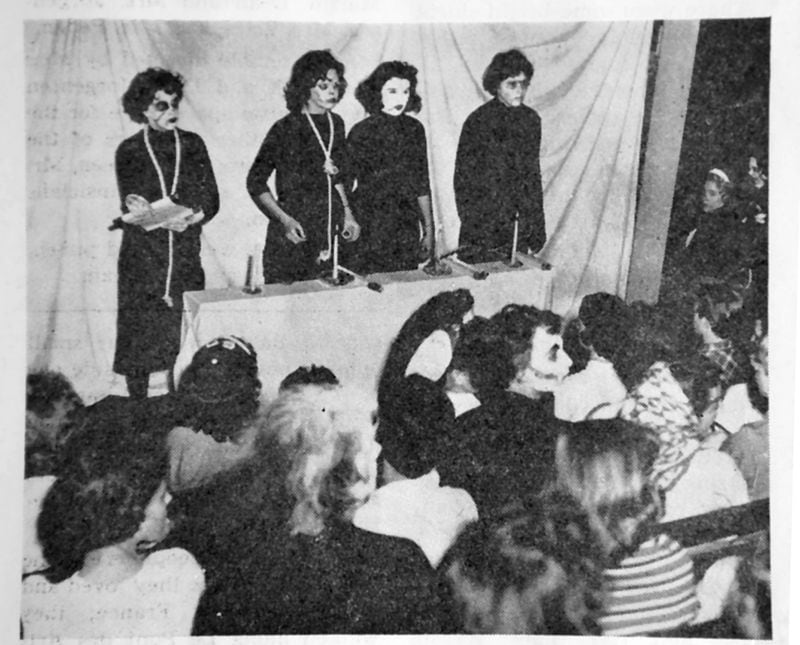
(513, 261)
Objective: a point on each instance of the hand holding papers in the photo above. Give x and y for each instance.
(163, 213)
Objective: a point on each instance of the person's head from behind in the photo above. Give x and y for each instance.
(326, 437)
(717, 190)
(390, 88)
(605, 465)
(52, 409)
(483, 362)
(532, 571)
(414, 427)
(537, 348)
(316, 84)
(309, 375)
(112, 493)
(508, 77)
(219, 391)
(153, 97)
(606, 324)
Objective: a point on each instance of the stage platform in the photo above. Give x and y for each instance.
(347, 328)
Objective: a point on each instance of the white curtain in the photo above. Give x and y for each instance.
(588, 87)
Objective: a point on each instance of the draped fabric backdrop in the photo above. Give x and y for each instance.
(588, 87)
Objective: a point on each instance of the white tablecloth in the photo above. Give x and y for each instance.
(348, 329)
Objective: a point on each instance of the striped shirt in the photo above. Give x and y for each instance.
(650, 591)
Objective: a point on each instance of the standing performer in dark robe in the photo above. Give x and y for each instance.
(156, 267)
(306, 150)
(388, 159)
(497, 175)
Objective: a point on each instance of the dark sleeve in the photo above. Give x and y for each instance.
(536, 234)
(265, 163)
(468, 156)
(357, 147)
(401, 593)
(128, 171)
(201, 189)
(419, 158)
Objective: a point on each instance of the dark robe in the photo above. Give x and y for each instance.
(292, 151)
(148, 329)
(387, 157)
(722, 246)
(503, 451)
(497, 175)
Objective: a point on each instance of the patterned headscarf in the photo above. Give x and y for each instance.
(659, 404)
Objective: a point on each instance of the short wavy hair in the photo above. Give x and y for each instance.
(518, 323)
(321, 431)
(311, 67)
(143, 88)
(536, 570)
(368, 91)
(505, 65)
(485, 355)
(100, 498)
(605, 465)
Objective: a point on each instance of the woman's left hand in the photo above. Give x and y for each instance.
(351, 229)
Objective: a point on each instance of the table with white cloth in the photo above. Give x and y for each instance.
(346, 328)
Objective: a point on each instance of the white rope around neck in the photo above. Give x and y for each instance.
(329, 170)
(166, 297)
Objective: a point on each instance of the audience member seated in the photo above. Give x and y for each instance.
(533, 571)
(718, 247)
(649, 584)
(750, 446)
(410, 503)
(502, 450)
(720, 325)
(593, 391)
(218, 394)
(99, 526)
(287, 557)
(53, 409)
(424, 346)
(693, 479)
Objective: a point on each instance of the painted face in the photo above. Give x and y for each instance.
(162, 113)
(712, 197)
(547, 367)
(324, 94)
(755, 173)
(511, 91)
(394, 95)
(156, 524)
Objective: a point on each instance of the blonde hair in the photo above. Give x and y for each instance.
(321, 431)
(605, 465)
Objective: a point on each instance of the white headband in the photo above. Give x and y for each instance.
(719, 173)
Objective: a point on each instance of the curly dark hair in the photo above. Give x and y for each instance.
(505, 65)
(143, 88)
(368, 91)
(311, 67)
(100, 497)
(485, 355)
(537, 570)
(518, 323)
(606, 323)
(45, 389)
